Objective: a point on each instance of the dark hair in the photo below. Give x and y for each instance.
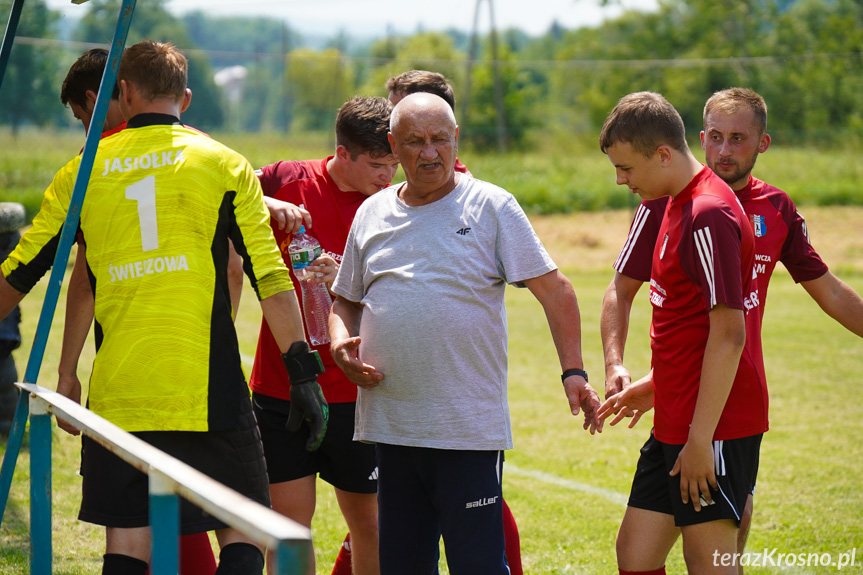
(157, 69)
(362, 126)
(733, 99)
(646, 121)
(85, 74)
(422, 81)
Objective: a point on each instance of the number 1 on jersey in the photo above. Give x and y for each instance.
(144, 192)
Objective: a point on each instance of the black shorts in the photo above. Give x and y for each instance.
(115, 494)
(342, 462)
(736, 465)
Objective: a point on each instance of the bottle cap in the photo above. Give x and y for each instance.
(302, 230)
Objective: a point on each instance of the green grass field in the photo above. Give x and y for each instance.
(553, 178)
(567, 489)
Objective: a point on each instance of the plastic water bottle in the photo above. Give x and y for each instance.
(304, 249)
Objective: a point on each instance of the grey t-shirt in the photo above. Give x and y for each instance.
(431, 282)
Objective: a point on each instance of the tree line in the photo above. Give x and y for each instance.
(804, 56)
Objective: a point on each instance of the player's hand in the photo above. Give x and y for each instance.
(697, 473)
(345, 353)
(308, 404)
(634, 401)
(323, 270)
(617, 378)
(582, 397)
(287, 216)
(68, 385)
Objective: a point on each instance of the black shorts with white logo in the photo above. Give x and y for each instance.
(424, 493)
(115, 494)
(342, 462)
(735, 465)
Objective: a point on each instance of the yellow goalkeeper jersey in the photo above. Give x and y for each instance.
(162, 202)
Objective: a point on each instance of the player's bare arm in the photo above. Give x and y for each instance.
(721, 359)
(282, 312)
(79, 316)
(345, 342)
(614, 328)
(235, 278)
(554, 292)
(838, 300)
(9, 297)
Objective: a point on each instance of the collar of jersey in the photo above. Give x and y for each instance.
(686, 193)
(151, 119)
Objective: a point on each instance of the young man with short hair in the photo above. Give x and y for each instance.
(79, 91)
(81, 87)
(734, 134)
(161, 204)
(696, 469)
(324, 195)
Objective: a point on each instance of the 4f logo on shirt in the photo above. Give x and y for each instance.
(463, 231)
(664, 245)
(759, 225)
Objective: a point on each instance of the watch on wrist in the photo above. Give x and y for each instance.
(569, 372)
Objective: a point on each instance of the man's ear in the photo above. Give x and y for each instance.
(342, 153)
(665, 155)
(764, 143)
(187, 100)
(126, 92)
(90, 100)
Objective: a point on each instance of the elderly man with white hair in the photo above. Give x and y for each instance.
(421, 286)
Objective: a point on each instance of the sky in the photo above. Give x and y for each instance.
(367, 18)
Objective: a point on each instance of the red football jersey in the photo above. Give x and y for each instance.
(274, 176)
(704, 256)
(780, 235)
(332, 212)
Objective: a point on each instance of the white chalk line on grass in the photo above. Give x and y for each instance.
(608, 494)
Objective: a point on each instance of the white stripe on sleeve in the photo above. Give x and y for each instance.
(634, 232)
(704, 244)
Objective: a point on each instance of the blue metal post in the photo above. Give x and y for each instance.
(41, 551)
(289, 559)
(165, 525)
(70, 228)
(9, 36)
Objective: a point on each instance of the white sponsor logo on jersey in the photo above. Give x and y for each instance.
(149, 266)
(143, 162)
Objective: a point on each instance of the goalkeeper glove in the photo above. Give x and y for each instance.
(307, 399)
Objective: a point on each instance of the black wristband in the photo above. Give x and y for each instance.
(569, 372)
(303, 365)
